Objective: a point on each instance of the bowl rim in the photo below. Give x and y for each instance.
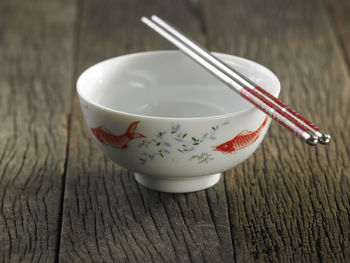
(251, 108)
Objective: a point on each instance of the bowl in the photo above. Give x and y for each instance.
(168, 120)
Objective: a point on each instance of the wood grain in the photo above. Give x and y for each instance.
(287, 203)
(107, 215)
(339, 10)
(36, 55)
(290, 202)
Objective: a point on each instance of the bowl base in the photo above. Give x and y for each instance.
(183, 185)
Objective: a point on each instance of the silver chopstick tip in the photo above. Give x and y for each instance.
(310, 138)
(144, 19)
(324, 138)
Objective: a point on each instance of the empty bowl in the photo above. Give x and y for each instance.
(172, 123)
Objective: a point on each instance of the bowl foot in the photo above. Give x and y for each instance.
(183, 185)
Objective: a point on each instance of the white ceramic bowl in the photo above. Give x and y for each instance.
(176, 126)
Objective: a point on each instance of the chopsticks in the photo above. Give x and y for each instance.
(277, 110)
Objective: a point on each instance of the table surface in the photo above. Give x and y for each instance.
(62, 200)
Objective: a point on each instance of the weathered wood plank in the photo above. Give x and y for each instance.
(36, 50)
(340, 10)
(290, 202)
(107, 216)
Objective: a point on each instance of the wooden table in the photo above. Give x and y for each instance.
(62, 200)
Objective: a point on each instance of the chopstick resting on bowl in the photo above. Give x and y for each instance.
(276, 109)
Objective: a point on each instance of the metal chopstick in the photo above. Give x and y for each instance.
(323, 137)
(246, 88)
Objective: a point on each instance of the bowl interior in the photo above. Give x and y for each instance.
(168, 84)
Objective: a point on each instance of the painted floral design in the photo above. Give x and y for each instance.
(177, 139)
(202, 158)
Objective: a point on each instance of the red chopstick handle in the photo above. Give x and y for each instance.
(275, 111)
(292, 113)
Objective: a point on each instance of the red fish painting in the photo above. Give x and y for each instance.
(242, 140)
(117, 141)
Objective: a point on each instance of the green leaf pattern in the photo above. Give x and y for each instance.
(176, 139)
